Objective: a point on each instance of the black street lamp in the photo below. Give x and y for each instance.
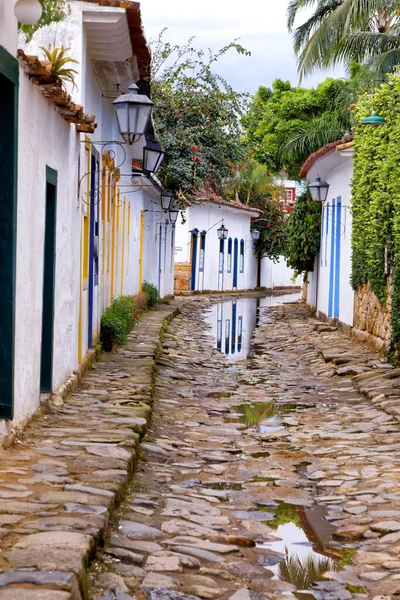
(167, 199)
(153, 155)
(255, 234)
(319, 190)
(222, 232)
(173, 215)
(133, 112)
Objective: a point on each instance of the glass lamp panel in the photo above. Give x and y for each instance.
(150, 160)
(138, 117)
(315, 193)
(121, 112)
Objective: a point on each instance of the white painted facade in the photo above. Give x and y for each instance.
(329, 288)
(214, 265)
(127, 215)
(277, 275)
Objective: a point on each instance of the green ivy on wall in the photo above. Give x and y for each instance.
(376, 199)
(303, 235)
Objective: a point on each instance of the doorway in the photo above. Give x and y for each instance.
(8, 211)
(193, 253)
(49, 269)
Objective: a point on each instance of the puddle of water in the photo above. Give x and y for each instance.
(266, 416)
(302, 546)
(233, 322)
(253, 414)
(224, 485)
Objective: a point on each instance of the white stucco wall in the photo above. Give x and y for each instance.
(275, 275)
(8, 26)
(207, 217)
(337, 170)
(44, 139)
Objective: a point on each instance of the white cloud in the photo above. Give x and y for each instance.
(260, 25)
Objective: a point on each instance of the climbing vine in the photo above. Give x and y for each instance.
(303, 235)
(376, 200)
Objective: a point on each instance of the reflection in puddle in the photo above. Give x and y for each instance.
(302, 546)
(234, 321)
(265, 416)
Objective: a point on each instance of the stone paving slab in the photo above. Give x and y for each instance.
(61, 481)
(325, 450)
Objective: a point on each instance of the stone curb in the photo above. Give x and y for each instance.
(60, 483)
(370, 375)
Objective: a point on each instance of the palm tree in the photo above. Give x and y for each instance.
(252, 184)
(340, 31)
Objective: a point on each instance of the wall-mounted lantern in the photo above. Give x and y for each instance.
(28, 12)
(153, 155)
(373, 120)
(167, 199)
(255, 234)
(173, 215)
(319, 190)
(133, 112)
(222, 232)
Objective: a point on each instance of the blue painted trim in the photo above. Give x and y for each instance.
(326, 231)
(194, 259)
(202, 248)
(159, 259)
(240, 331)
(234, 313)
(332, 263)
(241, 256)
(235, 262)
(221, 261)
(91, 250)
(336, 307)
(229, 257)
(227, 335)
(172, 258)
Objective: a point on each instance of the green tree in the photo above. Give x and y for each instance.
(254, 187)
(197, 116)
(53, 11)
(285, 124)
(341, 31)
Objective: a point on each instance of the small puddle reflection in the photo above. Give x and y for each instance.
(302, 553)
(233, 322)
(265, 416)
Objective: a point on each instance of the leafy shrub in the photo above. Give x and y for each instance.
(151, 294)
(303, 235)
(119, 319)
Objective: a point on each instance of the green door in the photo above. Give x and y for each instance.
(8, 215)
(49, 268)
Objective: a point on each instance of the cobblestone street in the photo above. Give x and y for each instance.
(309, 461)
(247, 466)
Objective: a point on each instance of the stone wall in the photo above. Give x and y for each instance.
(182, 277)
(372, 320)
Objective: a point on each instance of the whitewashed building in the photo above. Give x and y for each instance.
(329, 289)
(76, 229)
(202, 260)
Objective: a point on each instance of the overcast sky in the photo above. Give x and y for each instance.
(260, 25)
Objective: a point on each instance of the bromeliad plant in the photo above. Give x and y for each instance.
(58, 59)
